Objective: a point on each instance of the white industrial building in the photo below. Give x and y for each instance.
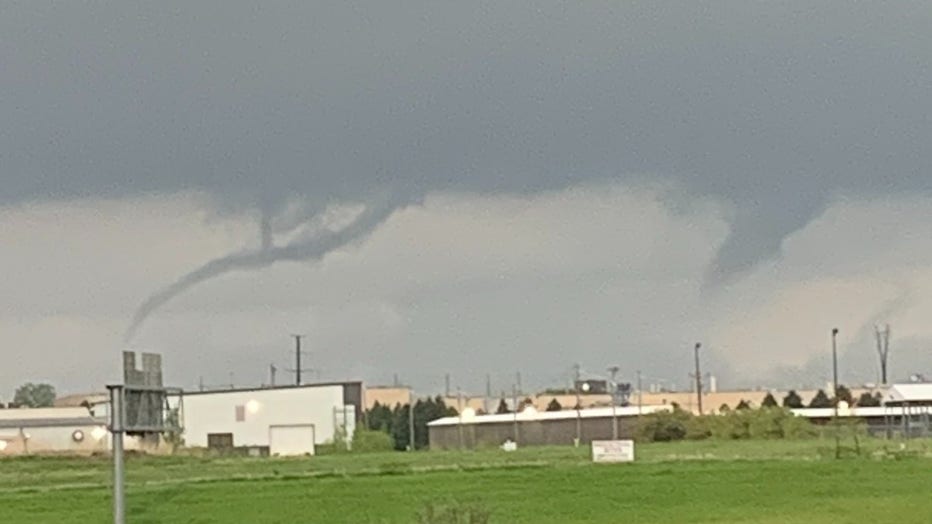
(287, 420)
(52, 430)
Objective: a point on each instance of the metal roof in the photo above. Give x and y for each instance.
(531, 415)
(42, 413)
(274, 388)
(860, 412)
(909, 393)
(51, 422)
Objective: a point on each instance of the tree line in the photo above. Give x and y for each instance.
(772, 420)
(395, 421)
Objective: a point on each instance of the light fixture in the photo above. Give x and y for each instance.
(252, 407)
(3, 445)
(77, 435)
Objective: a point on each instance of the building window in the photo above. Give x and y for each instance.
(240, 413)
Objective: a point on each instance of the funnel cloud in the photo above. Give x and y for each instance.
(302, 249)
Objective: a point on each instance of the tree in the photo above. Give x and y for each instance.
(769, 401)
(554, 405)
(743, 405)
(820, 400)
(792, 400)
(31, 395)
(395, 421)
(502, 407)
(867, 400)
(379, 418)
(842, 393)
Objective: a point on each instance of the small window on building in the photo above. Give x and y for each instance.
(240, 413)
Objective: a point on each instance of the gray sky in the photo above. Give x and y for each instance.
(601, 183)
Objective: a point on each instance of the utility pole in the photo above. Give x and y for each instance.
(272, 371)
(518, 382)
(459, 404)
(835, 389)
(883, 350)
(410, 419)
(297, 360)
(486, 405)
(578, 405)
(446, 387)
(614, 371)
(698, 377)
(514, 400)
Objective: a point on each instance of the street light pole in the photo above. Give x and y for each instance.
(835, 390)
(410, 419)
(578, 407)
(640, 398)
(614, 371)
(698, 378)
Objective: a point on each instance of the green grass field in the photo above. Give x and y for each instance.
(736, 481)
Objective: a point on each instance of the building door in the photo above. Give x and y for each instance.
(295, 439)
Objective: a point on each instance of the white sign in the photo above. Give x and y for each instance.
(612, 450)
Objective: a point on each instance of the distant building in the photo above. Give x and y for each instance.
(52, 430)
(390, 396)
(286, 420)
(534, 428)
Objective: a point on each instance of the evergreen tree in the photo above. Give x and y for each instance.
(843, 394)
(769, 401)
(792, 400)
(554, 405)
(820, 400)
(502, 407)
(743, 405)
(866, 400)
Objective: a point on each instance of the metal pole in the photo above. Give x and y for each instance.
(698, 378)
(410, 420)
(578, 407)
(297, 359)
(614, 371)
(116, 433)
(459, 403)
(835, 393)
(640, 397)
(514, 397)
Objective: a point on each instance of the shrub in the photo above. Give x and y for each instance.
(367, 441)
(664, 426)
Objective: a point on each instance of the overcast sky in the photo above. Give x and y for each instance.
(464, 187)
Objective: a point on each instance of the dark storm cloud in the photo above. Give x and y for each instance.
(774, 108)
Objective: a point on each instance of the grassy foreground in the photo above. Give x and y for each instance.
(738, 481)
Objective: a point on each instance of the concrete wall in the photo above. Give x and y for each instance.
(530, 433)
(216, 412)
